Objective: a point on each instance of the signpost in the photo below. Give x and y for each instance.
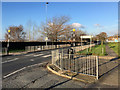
(85, 37)
(46, 40)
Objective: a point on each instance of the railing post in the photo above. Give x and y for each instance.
(97, 67)
(89, 66)
(53, 55)
(69, 62)
(61, 61)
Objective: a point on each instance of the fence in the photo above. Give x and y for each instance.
(4, 51)
(79, 48)
(37, 48)
(76, 63)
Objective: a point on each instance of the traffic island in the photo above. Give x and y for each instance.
(71, 75)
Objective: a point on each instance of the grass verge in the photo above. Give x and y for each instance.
(114, 46)
(96, 50)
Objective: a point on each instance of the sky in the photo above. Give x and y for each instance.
(95, 17)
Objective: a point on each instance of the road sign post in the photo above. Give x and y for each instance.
(85, 37)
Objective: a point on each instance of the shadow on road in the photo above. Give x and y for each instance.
(58, 84)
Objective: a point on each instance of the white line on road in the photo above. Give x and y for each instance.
(14, 72)
(38, 55)
(47, 56)
(10, 60)
(29, 54)
(31, 59)
(22, 69)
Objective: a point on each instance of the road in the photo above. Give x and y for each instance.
(109, 76)
(16, 62)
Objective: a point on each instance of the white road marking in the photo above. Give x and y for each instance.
(31, 59)
(10, 60)
(29, 54)
(38, 55)
(47, 56)
(22, 69)
(14, 72)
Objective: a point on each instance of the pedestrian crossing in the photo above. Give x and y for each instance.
(33, 56)
(47, 56)
(39, 55)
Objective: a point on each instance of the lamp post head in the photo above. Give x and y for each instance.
(46, 2)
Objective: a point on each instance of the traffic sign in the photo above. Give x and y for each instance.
(86, 36)
(46, 38)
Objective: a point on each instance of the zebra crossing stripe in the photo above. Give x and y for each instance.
(47, 56)
(38, 55)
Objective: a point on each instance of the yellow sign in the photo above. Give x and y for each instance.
(8, 30)
(73, 30)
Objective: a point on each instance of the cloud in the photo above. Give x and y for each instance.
(77, 25)
(98, 25)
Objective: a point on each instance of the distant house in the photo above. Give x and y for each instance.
(115, 38)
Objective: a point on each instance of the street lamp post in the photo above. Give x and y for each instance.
(46, 23)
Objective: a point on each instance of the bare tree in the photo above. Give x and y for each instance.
(33, 32)
(56, 28)
(28, 27)
(79, 33)
(16, 34)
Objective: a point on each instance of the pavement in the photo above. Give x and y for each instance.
(110, 52)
